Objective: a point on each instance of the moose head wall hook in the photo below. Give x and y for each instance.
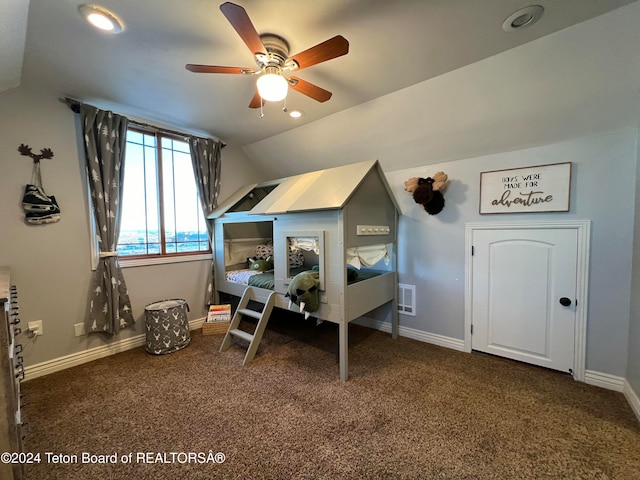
(26, 151)
(39, 207)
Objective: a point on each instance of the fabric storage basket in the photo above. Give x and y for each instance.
(167, 326)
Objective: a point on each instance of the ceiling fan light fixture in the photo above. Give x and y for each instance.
(272, 86)
(101, 18)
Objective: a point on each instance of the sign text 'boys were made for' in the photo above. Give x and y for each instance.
(541, 188)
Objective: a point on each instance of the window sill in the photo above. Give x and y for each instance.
(141, 262)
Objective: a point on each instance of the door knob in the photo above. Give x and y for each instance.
(565, 302)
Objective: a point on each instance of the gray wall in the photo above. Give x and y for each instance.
(633, 367)
(51, 263)
(432, 248)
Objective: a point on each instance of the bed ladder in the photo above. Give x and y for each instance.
(262, 317)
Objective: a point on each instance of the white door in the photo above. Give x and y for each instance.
(524, 294)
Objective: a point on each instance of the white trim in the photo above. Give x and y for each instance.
(68, 361)
(140, 262)
(420, 335)
(632, 398)
(604, 380)
(583, 228)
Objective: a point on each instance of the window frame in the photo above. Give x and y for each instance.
(164, 256)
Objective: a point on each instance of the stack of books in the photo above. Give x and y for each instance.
(218, 320)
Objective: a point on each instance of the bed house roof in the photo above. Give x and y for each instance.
(327, 189)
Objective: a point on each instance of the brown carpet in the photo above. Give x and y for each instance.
(409, 411)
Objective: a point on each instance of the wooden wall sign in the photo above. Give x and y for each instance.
(541, 188)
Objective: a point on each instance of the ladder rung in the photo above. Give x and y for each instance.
(250, 313)
(242, 334)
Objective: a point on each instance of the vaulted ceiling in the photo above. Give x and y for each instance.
(141, 72)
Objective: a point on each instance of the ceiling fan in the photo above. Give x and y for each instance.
(271, 54)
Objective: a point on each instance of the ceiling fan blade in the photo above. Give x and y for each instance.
(240, 21)
(332, 48)
(216, 69)
(309, 89)
(256, 101)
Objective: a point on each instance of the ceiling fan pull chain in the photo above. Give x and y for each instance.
(261, 108)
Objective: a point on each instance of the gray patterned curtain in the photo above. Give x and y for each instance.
(105, 136)
(205, 156)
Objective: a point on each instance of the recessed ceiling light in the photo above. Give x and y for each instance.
(101, 18)
(522, 18)
(296, 113)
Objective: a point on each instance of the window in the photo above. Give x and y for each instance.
(304, 251)
(252, 198)
(160, 212)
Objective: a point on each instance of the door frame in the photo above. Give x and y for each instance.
(583, 228)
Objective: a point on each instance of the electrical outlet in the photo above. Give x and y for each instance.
(35, 327)
(79, 329)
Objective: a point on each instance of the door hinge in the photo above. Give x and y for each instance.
(473, 250)
(472, 329)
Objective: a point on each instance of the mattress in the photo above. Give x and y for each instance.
(266, 279)
(240, 276)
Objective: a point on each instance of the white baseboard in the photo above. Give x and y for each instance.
(632, 398)
(604, 380)
(420, 335)
(68, 361)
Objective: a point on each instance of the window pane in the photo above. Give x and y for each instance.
(150, 140)
(182, 205)
(168, 192)
(133, 231)
(134, 137)
(182, 220)
(150, 183)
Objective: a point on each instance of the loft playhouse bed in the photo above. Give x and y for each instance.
(340, 222)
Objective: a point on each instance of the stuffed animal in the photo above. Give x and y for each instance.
(436, 204)
(428, 191)
(261, 265)
(424, 191)
(411, 184)
(439, 181)
(304, 291)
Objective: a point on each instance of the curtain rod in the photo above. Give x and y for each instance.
(74, 105)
